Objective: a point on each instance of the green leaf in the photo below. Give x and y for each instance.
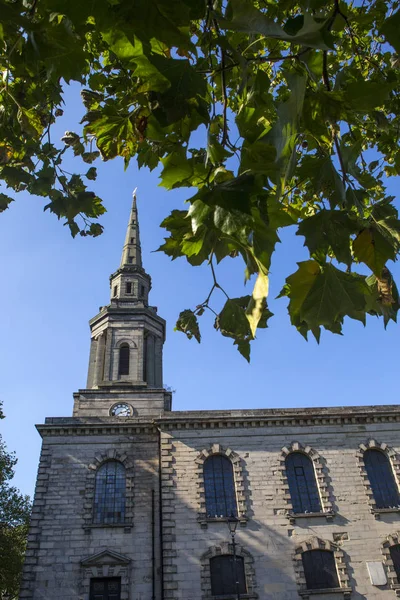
(89, 157)
(232, 194)
(232, 321)
(155, 19)
(230, 221)
(330, 184)
(379, 241)
(264, 240)
(115, 135)
(329, 230)
(179, 227)
(177, 168)
(15, 176)
(30, 122)
(366, 95)
(284, 132)
(5, 201)
(95, 229)
(251, 123)
(132, 50)
(91, 173)
(377, 244)
(216, 152)
(198, 213)
(247, 18)
(259, 157)
(324, 295)
(390, 29)
(244, 348)
(193, 245)
(188, 324)
(62, 52)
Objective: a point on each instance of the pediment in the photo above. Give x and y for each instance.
(107, 557)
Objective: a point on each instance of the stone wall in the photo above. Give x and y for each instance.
(62, 535)
(271, 540)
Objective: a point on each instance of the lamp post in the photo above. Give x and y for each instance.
(232, 524)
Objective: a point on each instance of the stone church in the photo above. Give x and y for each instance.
(135, 501)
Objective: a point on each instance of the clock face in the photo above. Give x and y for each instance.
(121, 410)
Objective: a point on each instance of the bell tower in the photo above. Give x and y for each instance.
(127, 337)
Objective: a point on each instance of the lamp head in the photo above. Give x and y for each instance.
(232, 523)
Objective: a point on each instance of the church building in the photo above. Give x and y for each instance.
(136, 501)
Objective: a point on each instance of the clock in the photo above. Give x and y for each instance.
(121, 410)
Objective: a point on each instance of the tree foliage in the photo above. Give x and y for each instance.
(14, 520)
(295, 106)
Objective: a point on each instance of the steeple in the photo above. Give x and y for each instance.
(132, 250)
(127, 337)
(130, 283)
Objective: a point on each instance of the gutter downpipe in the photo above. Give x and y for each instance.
(153, 551)
(160, 504)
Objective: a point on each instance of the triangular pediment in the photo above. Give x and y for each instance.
(107, 557)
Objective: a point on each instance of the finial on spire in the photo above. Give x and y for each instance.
(132, 251)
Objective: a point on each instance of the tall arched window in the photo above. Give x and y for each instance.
(219, 487)
(109, 494)
(224, 574)
(381, 479)
(320, 569)
(123, 366)
(303, 486)
(395, 556)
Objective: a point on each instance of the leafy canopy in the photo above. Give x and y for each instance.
(296, 108)
(14, 520)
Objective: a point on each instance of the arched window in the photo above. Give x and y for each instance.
(302, 483)
(381, 479)
(395, 556)
(109, 494)
(224, 574)
(123, 367)
(219, 487)
(320, 569)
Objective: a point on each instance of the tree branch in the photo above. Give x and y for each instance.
(325, 78)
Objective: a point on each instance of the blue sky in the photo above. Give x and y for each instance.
(52, 286)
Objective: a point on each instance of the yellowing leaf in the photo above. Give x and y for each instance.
(378, 243)
(258, 301)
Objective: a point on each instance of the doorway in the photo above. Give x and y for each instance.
(105, 588)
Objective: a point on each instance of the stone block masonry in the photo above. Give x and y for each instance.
(268, 532)
(62, 534)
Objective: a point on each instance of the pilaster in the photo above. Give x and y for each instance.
(168, 502)
(35, 529)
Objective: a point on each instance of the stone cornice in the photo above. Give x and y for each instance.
(285, 412)
(127, 307)
(60, 426)
(224, 419)
(130, 269)
(276, 417)
(115, 387)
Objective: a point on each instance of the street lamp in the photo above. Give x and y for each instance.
(232, 524)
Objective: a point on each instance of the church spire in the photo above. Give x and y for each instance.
(130, 283)
(132, 251)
